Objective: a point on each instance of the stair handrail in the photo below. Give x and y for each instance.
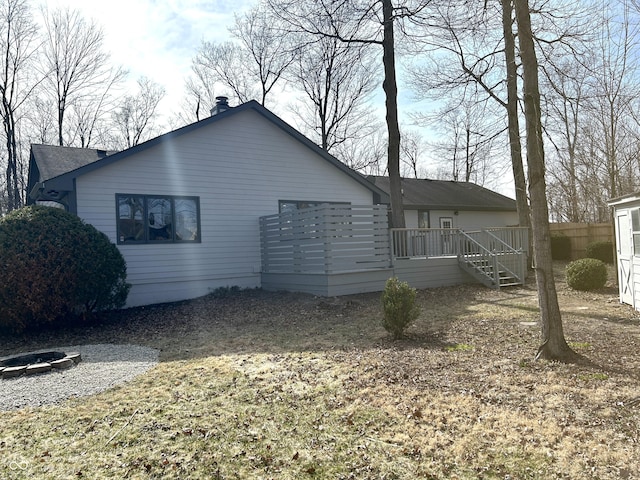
(509, 249)
(474, 241)
(485, 252)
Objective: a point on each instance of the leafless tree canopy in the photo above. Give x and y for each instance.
(77, 72)
(135, 118)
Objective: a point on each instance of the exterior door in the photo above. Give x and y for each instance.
(625, 256)
(446, 237)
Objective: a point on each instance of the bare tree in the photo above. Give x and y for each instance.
(76, 66)
(592, 120)
(563, 129)
(336, 80)
(357, 22)
(225, 65)
(412, 152)
(18, 43)
(249, 67)
(468, 129)
(513, 120)
(135, 119)
(469, 52)
(366, 154)
(554, 345)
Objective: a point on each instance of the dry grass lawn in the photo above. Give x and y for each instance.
(288, 386)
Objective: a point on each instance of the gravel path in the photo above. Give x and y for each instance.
(103, 366)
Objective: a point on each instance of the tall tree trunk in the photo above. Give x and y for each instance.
(14, 197)
(522, 204)
(390, 88)
(554, 345)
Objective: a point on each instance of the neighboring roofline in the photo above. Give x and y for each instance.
(452, 206)
(67, 178)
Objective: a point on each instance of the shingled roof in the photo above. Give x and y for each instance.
(424, 194)
(53, 160)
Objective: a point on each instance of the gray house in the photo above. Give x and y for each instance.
(183, 208)
(448, 204)
(243, 199)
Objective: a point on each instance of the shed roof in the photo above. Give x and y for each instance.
(630, 197)
(424, 194)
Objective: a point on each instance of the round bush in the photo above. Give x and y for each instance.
(586, 274)
(56, 267)
(600, 250)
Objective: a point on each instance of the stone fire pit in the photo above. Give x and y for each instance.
(39, 362)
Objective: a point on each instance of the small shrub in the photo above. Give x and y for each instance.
(600, 250)
(586, 274)
(55, 267)
(399, 306)
(560, 247)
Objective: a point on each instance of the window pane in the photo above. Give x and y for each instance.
(288, 206)
(636, 244)
(159, 218)
(186, 219)
(423, 219)
(635, 219)
(130, 219)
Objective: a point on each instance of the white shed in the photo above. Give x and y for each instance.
(627, 231)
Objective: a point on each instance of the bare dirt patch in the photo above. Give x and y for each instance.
(281, 385)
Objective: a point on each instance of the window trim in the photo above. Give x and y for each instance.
(145, 215)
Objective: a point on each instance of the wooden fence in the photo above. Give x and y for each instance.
(582, 234)
(326, 239)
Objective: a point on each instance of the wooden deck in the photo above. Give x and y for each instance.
(335, 250)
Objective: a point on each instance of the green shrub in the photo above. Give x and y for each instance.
(600, 250)
(586, 274)
(560, 247)
(55, 267)
(399, 306)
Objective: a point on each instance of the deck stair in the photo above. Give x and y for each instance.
(490, 260)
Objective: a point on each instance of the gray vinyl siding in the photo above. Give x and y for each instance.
(239, 168)
(465, 219)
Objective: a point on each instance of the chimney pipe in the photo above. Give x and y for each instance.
(222, 105)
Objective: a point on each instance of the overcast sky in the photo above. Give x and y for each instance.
(158, 38)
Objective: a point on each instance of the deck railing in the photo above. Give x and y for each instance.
(443, 242)
(424, 242)
(325, 239)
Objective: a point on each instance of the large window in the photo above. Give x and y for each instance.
(157, 218)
